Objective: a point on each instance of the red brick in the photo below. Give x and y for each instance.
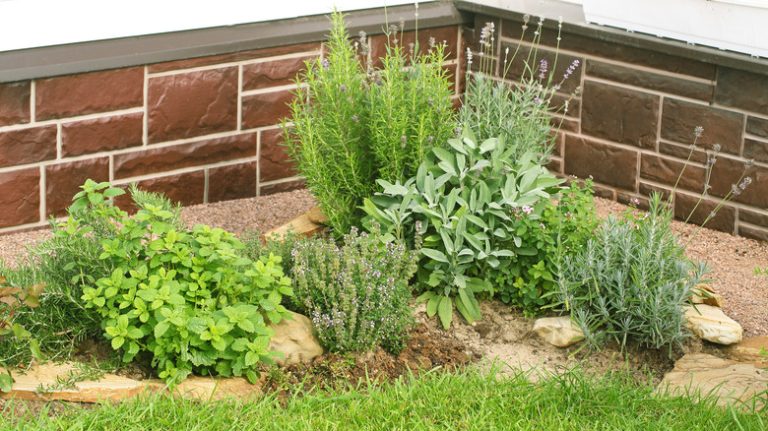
(757, 126)
(647, 190)
(727, 172)
(87, 93)
(192, 104)
(274, 162)
(607, 164)
(101, 134)
(286, 186)
(555, 165)
(30, 145)
(753, 232)
(272, 73)
(447, 34)
(620, 115)
(232, 182)
(63, 180)
(154, 160)
(20, 197)
(232, 57)
(683, 152)
(266, 109)
(186, 189)
(740, 89)
(667, 171)
(753, 217)
(722, 221)
(754, 149)
(14, 103)
(680, 118)
(651, 81)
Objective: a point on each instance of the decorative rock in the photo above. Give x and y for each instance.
(711, 324)
(210, 389)
(295, 339)
(727, 380)
(316, 215)
(753, 349)
(108, 387)
(558, 331)
(301, 225)
(705, 294)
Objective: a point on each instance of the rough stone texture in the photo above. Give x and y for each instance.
(18, 147)
(680, 118)
(757, 126)
(192, 104)
(232, 57)
(649, 80)
(724, 220)
(667, 171)
(449, 35)
(272, 73)
(87, 93)
(20, 197)
(753, 217)
(518, 67)
(63, 180)
(754, 233)
(682, 152)
(647, 189)
(619, 115)
(283, 186)
(212, 389)
(753, 349)
(727, 172)
(558, 331)
(232, 182)
(711, 324)
(613, 50)
(606, 163)
(266, 109)
(101, 134)
(295, 341)
(14, 103)
(186, 189)
(741, 89)
(154, 160)
(705, 294)
(274, 162)
(302, 225)
(754, 149)
(728, 380)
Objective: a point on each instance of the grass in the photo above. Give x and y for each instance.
(467, 400)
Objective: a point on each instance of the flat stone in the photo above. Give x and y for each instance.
(109, 387)
(728, 380)
(754, 149)
(741, 89)
(186, 189)
(558, 331)
(711, 324)
(281, 186)
(272, 73)
(266, 109)
(679, 118)
(210, 389)
(754, 349)
(232, 182)
(666, 171)
(652, 81)
(14, 103)
(294, 338)
(316, 215)
(274, 161)
(301, 225)
(705, 294)
(35, 144)
(724, 220)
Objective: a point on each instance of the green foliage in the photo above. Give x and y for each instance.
(13, 299)
(465, 202)
(411, 110)
(255, 247)
(631, 281)
(352, 124)
(528, 280)
(357, 293)
(188, 297)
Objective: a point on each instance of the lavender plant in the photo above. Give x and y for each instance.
(520, 113)
(631, 281)
(356, 293)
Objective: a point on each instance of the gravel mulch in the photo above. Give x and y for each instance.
(731, 259)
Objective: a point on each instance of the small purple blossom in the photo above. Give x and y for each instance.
(325, 63)
(527, 209)
(571, 68)
(543, 68)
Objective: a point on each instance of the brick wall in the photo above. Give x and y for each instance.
(200, 130)
(632, 125)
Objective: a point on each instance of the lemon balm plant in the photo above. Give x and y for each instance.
(187, 297)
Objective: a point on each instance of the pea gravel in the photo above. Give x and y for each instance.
(732, 260)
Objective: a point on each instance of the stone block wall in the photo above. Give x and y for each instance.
(631, 125)
(200, 130)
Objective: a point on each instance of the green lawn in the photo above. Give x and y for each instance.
(439, 401)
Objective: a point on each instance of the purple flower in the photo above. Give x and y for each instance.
(325, 63)
(571, 68)
(527, 209)
(543, 67)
